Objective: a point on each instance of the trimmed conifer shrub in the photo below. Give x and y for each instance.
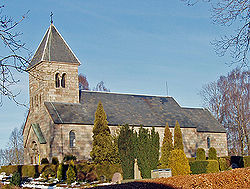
(223, 164)
(44, 161)
(16, 179)
(59, 174)
(55, 161)
(104, 149)
(178, 142)
(155, 148)
(71, 175)
(142, 152)
(147, 149)
(69, 157)
(246, 160)
(126, 147)
(212, 154)
(198, 166)
(204, 166)
(178, 163)
(213, 166)
(167, 147)
(200, 154)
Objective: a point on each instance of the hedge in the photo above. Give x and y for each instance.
(213, 166)
(246, 161)
(223, 164)
(191, 159)
(29, 171)
(10, 169)
(204, 166)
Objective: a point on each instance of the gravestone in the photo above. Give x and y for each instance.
(117, 178)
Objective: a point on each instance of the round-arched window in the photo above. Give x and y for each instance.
(72, 139)
(208, 142)
(57, 80)
(63, 80)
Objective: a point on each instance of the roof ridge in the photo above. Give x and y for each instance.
(46, 43)
(66, 43)
(127, 94)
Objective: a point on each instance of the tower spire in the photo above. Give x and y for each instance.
(51, 17)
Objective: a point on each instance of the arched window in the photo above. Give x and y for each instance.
(63, 80)
(208, 142)
(57, 80)
(72, 139)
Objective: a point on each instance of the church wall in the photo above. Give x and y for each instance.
(61, 143)
(217, 140)
(38, 115)
(42, 83)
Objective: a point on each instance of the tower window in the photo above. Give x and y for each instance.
(57, 80)
(72, 139)
(63, 80)
(208, 142)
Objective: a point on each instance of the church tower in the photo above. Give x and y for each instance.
(53, 72)
(53, 77)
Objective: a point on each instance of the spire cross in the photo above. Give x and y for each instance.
(51, 19)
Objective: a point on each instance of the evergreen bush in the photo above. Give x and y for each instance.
(16, 179)
(107, 170)
(200, 154)
(143, 152)
(178, 142)
(147, 151)
(44, 161)
(198, 166)
(82, 169)
(154, 149)
(212, 154)
(126, 148)
(223, 164)
(69, 157)
(55, 161)
(178, 163)
(104, 148)
(204, 166)
(60, 172)
(246, 161)
(71, 175)
(213, 166)
(49, 171)
(167, 147)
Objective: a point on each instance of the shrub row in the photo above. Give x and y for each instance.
(84, 171)
(204, 166)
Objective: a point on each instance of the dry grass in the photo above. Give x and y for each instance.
(237, 178)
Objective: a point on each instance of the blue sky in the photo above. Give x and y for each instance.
(134, 46)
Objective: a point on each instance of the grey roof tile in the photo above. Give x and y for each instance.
(133, 110)
(53, 48)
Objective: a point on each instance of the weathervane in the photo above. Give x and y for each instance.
(51, 19)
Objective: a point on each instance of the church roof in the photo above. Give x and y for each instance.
(38, 133)
(53, 48)
(133, 110)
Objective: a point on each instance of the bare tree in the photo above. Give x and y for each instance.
(228, 99)
(13, 153)
(236, 14)
(13, 61)
(101, 87)
(83, 82)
